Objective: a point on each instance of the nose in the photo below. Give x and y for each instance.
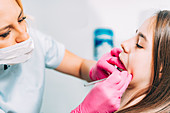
(22, 34)
(125, 46)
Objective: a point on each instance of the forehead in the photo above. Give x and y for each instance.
(147, 28)
(8, 5)
(8, 10)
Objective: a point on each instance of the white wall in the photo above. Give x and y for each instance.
(72, 22)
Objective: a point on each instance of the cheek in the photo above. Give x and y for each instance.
(140, 67)
(4, 44)
(7, 42)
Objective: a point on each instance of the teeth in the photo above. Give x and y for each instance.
(119, 68)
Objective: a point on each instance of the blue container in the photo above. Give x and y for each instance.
(103, 42)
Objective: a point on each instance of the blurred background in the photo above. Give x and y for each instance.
(72, 22)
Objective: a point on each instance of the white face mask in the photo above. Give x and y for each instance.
(18, 53)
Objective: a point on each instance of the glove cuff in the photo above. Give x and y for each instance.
(77, 110)
(80, 109)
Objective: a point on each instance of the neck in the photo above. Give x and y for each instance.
(128, 95)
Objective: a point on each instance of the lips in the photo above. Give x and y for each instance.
(116, 61)
(121, 66)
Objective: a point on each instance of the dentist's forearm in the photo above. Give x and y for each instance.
(85, 69)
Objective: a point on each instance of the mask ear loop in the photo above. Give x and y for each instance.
(27, 28)
(31, 19)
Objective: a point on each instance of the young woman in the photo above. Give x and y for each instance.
(146, 57)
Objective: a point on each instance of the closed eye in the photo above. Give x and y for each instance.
(23, 18)
(5, 34)
(138, 46)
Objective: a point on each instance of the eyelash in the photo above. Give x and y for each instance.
(23, 18)
(8, 32)
(138, 46)
(5, 34)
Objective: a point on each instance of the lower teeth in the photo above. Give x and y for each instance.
(119, 68)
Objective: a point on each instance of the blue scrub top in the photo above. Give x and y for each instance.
(22, 85)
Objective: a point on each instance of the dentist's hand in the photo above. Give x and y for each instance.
(105, 96)
(104, 66)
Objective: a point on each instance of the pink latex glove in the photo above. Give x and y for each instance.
(104, 66)
(105, 96)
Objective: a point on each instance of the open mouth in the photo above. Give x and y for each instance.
(120, 66)
(118, 63)
(120, 69)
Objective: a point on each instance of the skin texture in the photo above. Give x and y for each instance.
(137, 58)
(13, 30)
(137, 54)
(9, 13)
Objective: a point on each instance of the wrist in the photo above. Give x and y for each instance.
(90, 74)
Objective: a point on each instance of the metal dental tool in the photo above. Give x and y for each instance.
(94, 82)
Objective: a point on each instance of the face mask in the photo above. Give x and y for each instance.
(18, 53)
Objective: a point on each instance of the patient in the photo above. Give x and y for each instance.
(145, 57)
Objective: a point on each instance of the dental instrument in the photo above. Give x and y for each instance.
(94, 82)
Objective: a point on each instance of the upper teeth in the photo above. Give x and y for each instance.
(119, 68)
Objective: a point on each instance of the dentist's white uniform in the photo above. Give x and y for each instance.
(22, 85)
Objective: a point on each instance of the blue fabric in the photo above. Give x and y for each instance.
(22, 85)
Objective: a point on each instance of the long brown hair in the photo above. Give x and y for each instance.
(158, 94)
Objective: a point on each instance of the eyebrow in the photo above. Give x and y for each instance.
(11, 25)
(141, 35)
